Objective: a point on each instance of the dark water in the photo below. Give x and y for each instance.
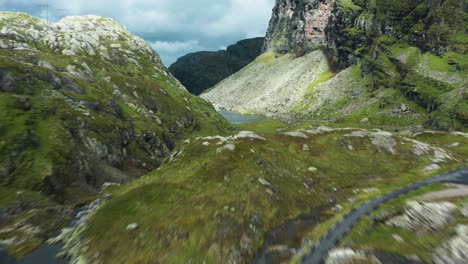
(237, 118)
(46, 254)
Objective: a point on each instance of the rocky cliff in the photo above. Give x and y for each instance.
(83, 102)
(298, 26)
(202, 70)
(399, 62)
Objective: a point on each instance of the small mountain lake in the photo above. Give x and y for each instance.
(237, 118)
(46, 254)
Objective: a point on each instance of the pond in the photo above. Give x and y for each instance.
(46, 254)
(237, 118)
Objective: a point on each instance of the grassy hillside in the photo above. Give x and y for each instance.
(217, 197)
(75, 116)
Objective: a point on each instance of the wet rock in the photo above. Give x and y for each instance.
(132, 227)
(424, 216)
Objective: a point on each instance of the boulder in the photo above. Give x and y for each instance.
(132, 227)
(264, 182)
(297, 134)
(345, 256)
(230, 147)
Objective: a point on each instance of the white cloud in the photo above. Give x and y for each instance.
(170, 51)
(173, 27)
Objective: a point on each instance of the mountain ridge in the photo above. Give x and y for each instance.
(201, 70)
(83, 103)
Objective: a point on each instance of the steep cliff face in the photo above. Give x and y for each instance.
(201, 70)
(390, 62)
(298, 26)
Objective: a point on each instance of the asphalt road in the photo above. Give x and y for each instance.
(337, 232)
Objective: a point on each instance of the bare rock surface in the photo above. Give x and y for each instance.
(454, 251)
(424, 216)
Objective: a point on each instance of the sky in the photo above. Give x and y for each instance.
(172, 27)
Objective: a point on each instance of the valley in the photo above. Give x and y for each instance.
(339, 137)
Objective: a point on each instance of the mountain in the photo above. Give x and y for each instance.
(390, 63)
(82, 120)
(202, 70)
(82, 102)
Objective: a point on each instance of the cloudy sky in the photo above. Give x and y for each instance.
(173, 27)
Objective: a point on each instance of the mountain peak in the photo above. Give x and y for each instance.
(74, 35)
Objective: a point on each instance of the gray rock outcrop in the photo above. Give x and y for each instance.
(298, 26)
(424, 216)
(454, 251)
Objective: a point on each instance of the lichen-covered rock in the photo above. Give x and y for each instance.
(381, 139)
(424, 216)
